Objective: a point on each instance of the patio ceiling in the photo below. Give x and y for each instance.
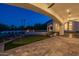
(58, 11)
(61, 10)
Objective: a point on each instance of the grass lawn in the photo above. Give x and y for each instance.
(24, 41)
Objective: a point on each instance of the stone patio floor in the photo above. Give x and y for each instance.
(55, 46)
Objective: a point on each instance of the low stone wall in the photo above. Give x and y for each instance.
(36, 33)
(2, 46)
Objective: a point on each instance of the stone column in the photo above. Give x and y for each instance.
(68, 26)
(54, 26)
(61, 32)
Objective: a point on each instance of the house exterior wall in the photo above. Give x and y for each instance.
(72, 26)
(75, 26)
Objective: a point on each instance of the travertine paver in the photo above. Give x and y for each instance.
(55, 46)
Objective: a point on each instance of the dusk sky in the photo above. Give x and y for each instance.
(12, 15)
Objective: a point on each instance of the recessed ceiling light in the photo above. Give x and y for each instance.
(68, 10)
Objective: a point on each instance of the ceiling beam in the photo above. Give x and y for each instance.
(51, 5)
